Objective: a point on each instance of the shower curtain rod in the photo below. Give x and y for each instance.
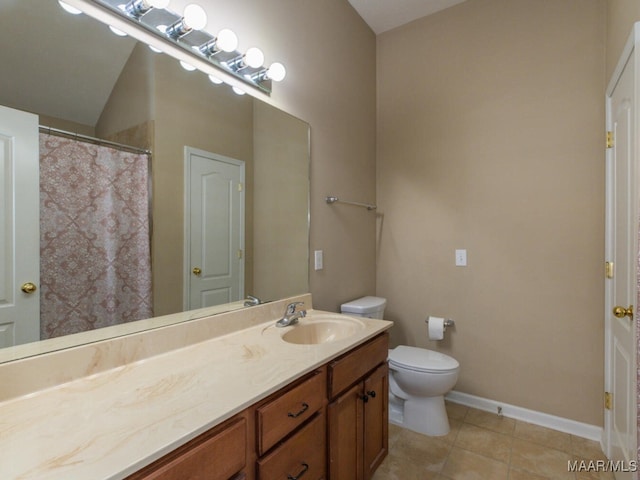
(96, 141)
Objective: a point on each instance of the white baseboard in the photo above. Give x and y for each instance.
(566, 425)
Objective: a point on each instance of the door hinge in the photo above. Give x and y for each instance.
(240, 252)
(609, 139)
(608, 269)
(240, 187)
(608, 400)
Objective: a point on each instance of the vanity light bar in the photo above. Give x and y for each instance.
(187, 32)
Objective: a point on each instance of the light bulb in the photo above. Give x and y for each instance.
(227, 41)
(214, 79)
(155, 49)
(254, 57)
(118, 32)
(277, 72)
(69, 9)
(238, 91)
(195, 17)
(187, 66)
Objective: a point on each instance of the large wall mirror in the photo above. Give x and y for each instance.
(87, 84)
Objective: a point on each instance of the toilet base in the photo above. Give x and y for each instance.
(396, 410)
(426, 415)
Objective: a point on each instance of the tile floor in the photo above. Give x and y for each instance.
(484, 446)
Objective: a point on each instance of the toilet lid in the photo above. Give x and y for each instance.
(421, 359)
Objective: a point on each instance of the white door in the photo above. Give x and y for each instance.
(621, 290)
(19, 228)
(214, 229)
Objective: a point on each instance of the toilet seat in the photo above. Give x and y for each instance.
(422, 360)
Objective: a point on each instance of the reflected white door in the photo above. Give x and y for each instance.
(19, 228)
(621, 290)
(214, 230)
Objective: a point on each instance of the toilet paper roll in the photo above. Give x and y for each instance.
(436, 328)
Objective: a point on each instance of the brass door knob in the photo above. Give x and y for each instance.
(196, 271)
(28, 287)
(622, 312)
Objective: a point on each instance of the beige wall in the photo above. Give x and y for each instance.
(621, 15)
(490, 138)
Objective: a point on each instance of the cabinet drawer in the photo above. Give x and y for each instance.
(215, 455)
(302, 456)
(348, 369)
(278, 418)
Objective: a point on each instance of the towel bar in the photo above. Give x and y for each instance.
(368, 206)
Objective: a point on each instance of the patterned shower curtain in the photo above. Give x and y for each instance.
(95, 262)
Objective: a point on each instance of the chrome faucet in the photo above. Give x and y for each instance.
(291, 315)
(251, 301)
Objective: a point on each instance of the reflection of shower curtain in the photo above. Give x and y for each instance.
(95, 262)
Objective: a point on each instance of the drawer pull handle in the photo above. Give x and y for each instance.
(305, 407)
(305, 467)
(365, 398)
(371, 393)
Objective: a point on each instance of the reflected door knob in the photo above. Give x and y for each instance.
(28, 287)
(622, 312)
(196, 271)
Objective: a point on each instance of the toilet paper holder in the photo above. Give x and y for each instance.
(447, 322)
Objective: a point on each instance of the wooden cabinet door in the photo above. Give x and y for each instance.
(376, 421)
(345, 435)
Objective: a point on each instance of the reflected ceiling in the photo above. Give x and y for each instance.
(83, 76)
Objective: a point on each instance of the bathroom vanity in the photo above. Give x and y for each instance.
(296, 431)
(225, 397)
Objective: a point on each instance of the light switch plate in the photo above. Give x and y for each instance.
(318, 258)
(461, 258)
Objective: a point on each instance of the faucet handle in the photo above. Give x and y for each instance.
(251, 301)
(291, 308)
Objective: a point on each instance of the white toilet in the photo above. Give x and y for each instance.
(418, 378)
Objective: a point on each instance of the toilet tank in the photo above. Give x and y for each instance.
(370, 307)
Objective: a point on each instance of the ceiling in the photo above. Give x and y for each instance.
(383, 15)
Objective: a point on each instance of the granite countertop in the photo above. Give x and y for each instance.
(110, 424)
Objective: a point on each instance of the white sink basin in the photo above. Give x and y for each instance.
(322, 328)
